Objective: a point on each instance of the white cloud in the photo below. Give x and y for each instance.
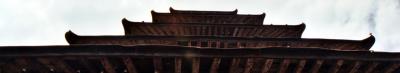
(44, 22)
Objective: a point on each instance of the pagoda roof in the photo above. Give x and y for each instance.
(200, 29)
(173, 11)
(206, 17)
(170, 59)
(336, 44)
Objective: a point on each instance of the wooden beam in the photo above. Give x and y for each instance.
(249, 65)
(26, 65)
(215, 65)
(87, 65)
(198, 30)
(316, 66)
(189, 43)
(47, 63)
(152, 31)
(178, 65)
(355, 66)
(371, 67)
(203, 30)
(300, 66)
(284, 65)
(60, 64)
(234, 65)
(337, 66)
(267, 65)
(235, 32)
(258, 33)
(130, 66)
(198, 44)
(10, 68)
(253, 32)
(210, 29)
(168, 31)
(159, 30)
(209, 43)
(140, 30)
(246, 31)
(108, 67)
(195, 65)
(157, 62)
(225, 44)
(392, 68)
(240, 32)
(238, 45)
(22, 64)
(178, 51)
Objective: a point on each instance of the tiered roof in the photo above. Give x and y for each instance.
(209, 34)
(201, 42)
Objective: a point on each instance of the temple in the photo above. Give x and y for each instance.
(189, 41)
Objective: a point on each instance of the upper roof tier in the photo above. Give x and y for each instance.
(224, 30)
(206, 17)
(173, 11)
(223, 42)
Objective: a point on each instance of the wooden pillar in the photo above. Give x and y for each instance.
(178, 65)
(157, 65)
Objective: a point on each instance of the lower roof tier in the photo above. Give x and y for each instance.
(230, 30)
(223, 42)
(176, 59)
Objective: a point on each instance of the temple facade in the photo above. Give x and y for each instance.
(188, 41)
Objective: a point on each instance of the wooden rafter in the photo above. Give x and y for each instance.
(337, 66)
(355, 67)
(371, 67)
(315, 68)
(130, 66)
(215, 65)
(87, 65)
(60, 64)
(392, 68)
(267, 65)
(108, 67)
(249, 65)
(284, 65)
(234, 65)
(47, 63)
(300, 66)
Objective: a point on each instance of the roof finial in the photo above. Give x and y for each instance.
(236, 10)
(124, 20)
(152, 11)
(171, 9)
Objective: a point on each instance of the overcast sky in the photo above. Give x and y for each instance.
(44, 22)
